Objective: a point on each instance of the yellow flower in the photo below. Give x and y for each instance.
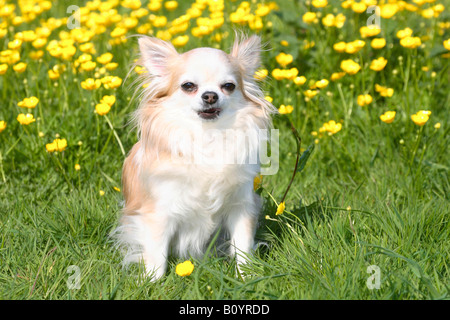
(410, 42)
(421, 117)
(102, 193)
(407, 32)
(25, 119)
(28, 102)
(358, 7)
(364, 99)
(57, 145)
(337, 75)
(280, 208)
(117, 189)
(77, 167)
(321, 83)
(299, 80)
(369, 31)
(268, 98)
(88, 66)
(447, 44)
(14, 44)
(284, 59)
(53, 75)
(20, 67)
(256, 181)
(180, 41)
(436, 126)
(319, 3)
(102, 108)
(310, 93)
(111, 82)
(388, 116)
(378, 43)
(332, 127)
(354, 46)
(109, 100)
(91, 84)
(105, 58)
(184, 269)
(350, 66)
(261, 74)
(131, 4)
(388, 10)
(2, 125)
(285, 109)
(171, 5)
(384, 91)
(378, 64)
(3, 68)
(309, 17)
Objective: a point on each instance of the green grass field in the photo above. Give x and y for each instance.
(371, 194)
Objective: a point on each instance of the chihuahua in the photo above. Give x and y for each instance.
(191, 172)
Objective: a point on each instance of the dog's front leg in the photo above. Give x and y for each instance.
(156, 246)
(241, 226)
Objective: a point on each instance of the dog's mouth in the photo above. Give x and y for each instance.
(209, 114)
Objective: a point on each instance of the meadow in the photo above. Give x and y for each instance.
(364, 83)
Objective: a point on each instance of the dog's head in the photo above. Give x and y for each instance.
(203, 84)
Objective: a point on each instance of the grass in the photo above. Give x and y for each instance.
(372, 194)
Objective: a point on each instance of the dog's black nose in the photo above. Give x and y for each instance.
(210, 97)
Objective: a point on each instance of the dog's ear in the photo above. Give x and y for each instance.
(156, 55)
(247, 51)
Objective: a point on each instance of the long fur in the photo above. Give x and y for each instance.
(179, 185)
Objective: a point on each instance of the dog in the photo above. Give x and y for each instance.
(178, 191)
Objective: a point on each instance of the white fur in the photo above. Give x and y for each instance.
(175, 205)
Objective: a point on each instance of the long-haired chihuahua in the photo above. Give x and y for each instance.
(191, 172)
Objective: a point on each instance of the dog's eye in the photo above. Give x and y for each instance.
(229, 86)
(188, 86)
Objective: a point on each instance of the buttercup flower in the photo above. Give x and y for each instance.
(280, 208)
(28, 102)
(378, 64)
(91, 84)
(384, 91)
(105, 58)
(350, 66)
(421, 117)
(256, 181)
(332, 127)
(369, 31)
(309, 17)
(407, 32)
(20, 67)
(388, 116)
(364, 99)
(109, 100)
(102, 108)
(2, 125)
(410, 42)
(447, 44)
(57, 145)
(184, 269)
(285, 109)
(378, 43)
(3, 68)
(321, 83)
(284, 59)
(299, 80)
(261, 74)
(319, 3)
(25, 119)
